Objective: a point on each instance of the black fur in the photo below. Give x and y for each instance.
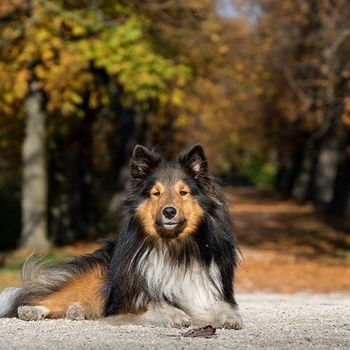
(214, 239)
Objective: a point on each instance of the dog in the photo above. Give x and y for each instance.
(172, 263)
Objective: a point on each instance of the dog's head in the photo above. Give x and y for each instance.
(169, 204)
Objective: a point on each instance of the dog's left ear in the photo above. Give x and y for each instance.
(195, 160)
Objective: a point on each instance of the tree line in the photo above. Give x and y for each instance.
(263, 87)
(306, 49)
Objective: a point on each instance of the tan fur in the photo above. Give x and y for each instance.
(187, 207)
(85, 289)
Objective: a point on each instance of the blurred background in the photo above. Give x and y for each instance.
(264, 85)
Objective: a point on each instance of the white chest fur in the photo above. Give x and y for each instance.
(193, 287)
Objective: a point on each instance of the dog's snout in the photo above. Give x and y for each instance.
(169, 212)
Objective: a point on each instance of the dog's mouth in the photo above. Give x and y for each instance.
(170, 228)
(170, 225)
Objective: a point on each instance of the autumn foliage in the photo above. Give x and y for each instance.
(263, 84)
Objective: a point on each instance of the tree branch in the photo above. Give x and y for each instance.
(337, 43)
(295, 87)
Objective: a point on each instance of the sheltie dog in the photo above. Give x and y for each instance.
(172, 263)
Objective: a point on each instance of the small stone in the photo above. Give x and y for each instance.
(202, 332)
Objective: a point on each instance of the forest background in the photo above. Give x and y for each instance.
(262, 84)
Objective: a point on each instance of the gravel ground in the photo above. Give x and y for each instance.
(272, 321)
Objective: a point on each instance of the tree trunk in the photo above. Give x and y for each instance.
(340, 204)
(83, 202)
(326, 171)
(34, 181)
(288, 171)
(72, 199)
(125, 140)
(302, 189)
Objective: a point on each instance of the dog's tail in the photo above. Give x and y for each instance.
(38, 280)
(7, 298)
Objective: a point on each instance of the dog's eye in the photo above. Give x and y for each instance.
(157, 194)
(183, 193)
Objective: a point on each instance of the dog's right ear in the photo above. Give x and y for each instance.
(143, 161)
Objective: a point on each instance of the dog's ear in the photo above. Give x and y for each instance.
(195, 161)
(143, 161)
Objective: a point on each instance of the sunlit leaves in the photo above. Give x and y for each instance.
(65, 49)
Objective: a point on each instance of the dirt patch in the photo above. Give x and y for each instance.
(288, 247)
(271, 321)
(275, 271)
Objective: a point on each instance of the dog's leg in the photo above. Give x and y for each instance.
(220, 315)
(32, 313)
(157, 314)
(76, 311)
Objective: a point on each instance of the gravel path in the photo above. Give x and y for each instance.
(272, 321)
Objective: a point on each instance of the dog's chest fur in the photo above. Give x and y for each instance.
(194, 287)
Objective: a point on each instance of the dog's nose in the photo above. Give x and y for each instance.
(169, 212)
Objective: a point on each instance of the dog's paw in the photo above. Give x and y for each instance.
(180, 319)
(32, 313)
(76, 312)
(164, 315)
(222, 315)
(174, 317)
(233, 321)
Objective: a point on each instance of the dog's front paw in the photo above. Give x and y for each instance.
(179, 319)
(173, 317)
(32, 313)
(165, 315)
(76, 312)
(221, 315)
(232, 321)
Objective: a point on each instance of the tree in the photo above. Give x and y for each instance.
(34, 186)
(72, 53)
(307, 56)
